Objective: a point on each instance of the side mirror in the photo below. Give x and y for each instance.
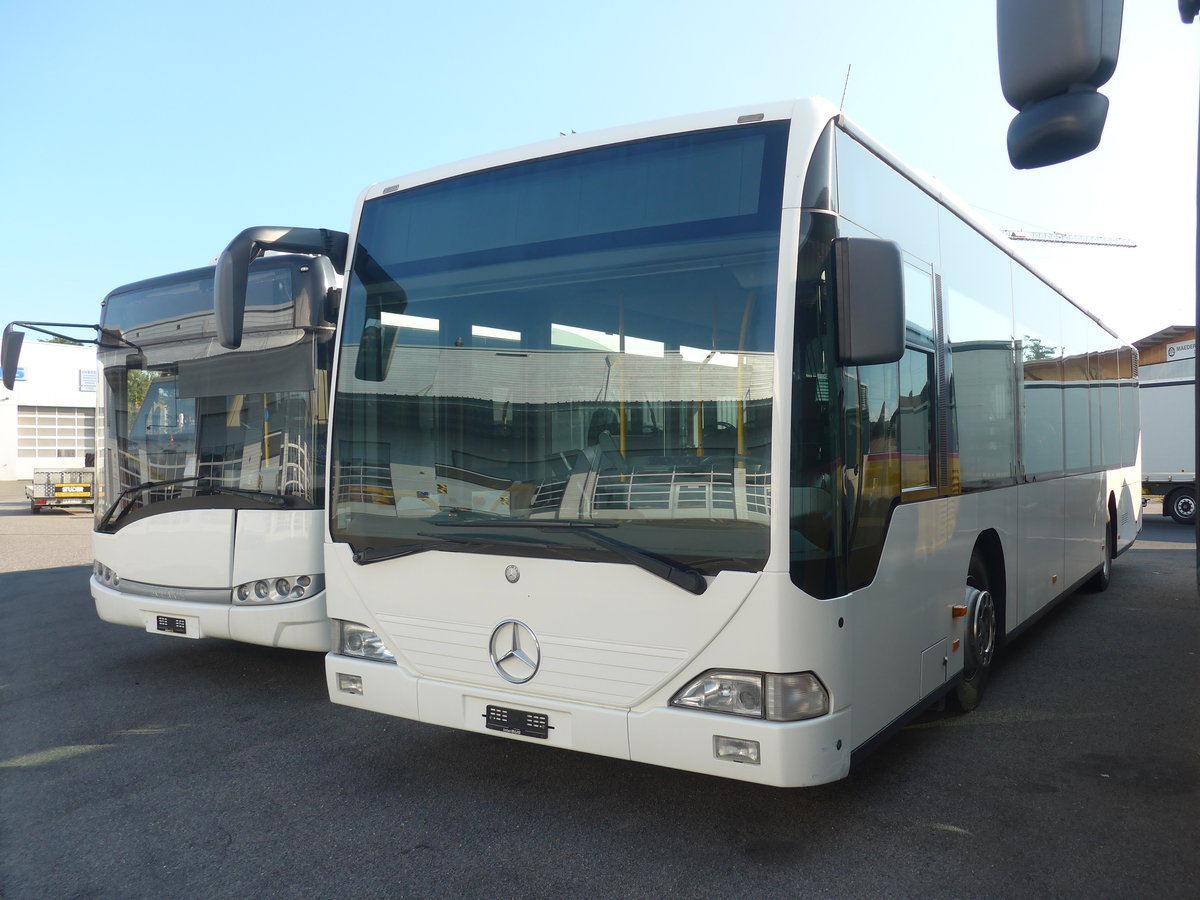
(1052, 57)
(10, 354)
(233, 269)
(868, 279)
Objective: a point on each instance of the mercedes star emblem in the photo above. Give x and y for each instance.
(515, 652)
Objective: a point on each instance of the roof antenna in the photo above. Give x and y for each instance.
(842, 105)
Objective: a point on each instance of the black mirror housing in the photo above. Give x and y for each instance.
(233, 269)
(1053, 56)
(869, 293)
(10, 354)
(1056, 130)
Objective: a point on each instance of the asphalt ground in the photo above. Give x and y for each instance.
(136, 765)
(51, 538)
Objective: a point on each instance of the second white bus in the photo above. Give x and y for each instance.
(210, 470)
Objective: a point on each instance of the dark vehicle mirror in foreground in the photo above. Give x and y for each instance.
(10, 344)
(1053, 56)
(869, 287)
(10, 354)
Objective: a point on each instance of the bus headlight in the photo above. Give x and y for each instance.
(280, 589)
(105, 575)
(778, 698)
(352, 639)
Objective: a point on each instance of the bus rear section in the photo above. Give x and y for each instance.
(209, 514)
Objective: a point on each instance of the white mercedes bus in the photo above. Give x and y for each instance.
(726, 443)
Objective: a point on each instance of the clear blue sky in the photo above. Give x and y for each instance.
(138, 137)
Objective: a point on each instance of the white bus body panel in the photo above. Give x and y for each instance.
(615, 647)
(618, 644)
(189, 548)
(274, 542)
(223, 548)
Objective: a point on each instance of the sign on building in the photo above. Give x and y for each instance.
(1181, 350)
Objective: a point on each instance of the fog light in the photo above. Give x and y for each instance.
(349, 684)
(738, 750)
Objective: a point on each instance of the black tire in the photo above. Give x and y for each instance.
(979, 643)
(1180, 505)
(1099, 582)
(34, 509)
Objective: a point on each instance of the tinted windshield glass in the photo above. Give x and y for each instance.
(250, 421)
(175, 310)
(587, 337)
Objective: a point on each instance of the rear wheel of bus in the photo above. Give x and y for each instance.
(979, 643)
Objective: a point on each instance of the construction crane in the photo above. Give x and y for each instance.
(1057, 237)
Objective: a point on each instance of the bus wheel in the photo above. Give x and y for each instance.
(980, 643)
(1181, 505)
(1099, 582)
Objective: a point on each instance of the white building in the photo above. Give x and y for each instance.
(48, 419)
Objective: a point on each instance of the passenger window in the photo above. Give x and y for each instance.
(915, 415)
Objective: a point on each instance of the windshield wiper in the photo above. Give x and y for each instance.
(668, 569)
(664, 567)
(528, 523)
(134, 491)
(265, 496)
(274, 499)
(441, 542)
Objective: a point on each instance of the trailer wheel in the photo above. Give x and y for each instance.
(34, 509)
(1181, 505)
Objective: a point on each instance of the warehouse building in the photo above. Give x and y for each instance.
(48, 419)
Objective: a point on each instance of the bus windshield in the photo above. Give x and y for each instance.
(583, 339)
(200, 426)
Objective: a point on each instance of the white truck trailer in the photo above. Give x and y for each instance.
(1169, 443)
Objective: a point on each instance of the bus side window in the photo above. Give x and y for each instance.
(915, 413)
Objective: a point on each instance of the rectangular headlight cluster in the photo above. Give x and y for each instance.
(760, 695)
(353, 639)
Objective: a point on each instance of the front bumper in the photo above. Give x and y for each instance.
(299, 625)
(793, 754)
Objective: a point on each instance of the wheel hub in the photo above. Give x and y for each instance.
(981, 628)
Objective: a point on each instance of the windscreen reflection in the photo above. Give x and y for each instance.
(597, 349)
(194, 432)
